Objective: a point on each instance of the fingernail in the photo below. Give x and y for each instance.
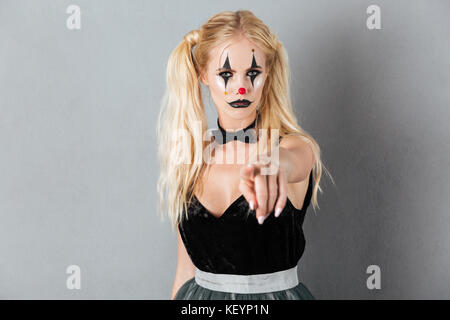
(277, 212)
(260, 220)
(252, 205)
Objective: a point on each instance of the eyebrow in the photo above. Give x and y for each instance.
(230, 69)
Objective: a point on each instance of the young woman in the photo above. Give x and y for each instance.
(237, 197)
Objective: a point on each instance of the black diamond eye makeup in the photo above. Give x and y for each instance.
(226, 72)
(254, 72)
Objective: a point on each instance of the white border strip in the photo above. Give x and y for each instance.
(255, 283)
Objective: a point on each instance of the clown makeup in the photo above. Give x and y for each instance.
(226, 72)
(235, 75)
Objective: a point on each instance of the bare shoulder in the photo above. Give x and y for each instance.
(297, 190)
(293, 141)
(302, 151)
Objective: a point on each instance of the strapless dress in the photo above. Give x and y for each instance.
(236, 258)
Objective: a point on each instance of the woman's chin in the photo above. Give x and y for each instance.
(239, 113)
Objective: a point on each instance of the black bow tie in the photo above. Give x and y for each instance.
(247, 135)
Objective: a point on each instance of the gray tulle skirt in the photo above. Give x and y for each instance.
(191, 290)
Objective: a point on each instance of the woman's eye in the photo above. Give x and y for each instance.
(225, 74)
(253, 73)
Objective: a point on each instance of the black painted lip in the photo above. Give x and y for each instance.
(244, 103)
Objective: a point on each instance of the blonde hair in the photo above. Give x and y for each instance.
(182, 106)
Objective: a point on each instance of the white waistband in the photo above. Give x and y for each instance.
(255, 283)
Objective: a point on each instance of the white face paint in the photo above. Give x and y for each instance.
(258, 83)
(220, 83)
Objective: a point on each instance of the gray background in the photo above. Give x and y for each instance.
(78, 165)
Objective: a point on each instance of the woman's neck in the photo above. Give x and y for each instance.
(230, 124)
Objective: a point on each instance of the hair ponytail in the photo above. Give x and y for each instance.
(190, 40)
(182, 108)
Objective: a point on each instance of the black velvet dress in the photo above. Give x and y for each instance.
(235, 243)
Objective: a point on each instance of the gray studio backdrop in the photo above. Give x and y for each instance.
(78, 164)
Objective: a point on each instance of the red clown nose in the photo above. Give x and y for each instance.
(241, 90)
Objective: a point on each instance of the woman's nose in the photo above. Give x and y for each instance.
(241, 82)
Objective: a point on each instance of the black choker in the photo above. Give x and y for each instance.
(247, 135)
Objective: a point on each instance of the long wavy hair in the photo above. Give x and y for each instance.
(182, 107)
